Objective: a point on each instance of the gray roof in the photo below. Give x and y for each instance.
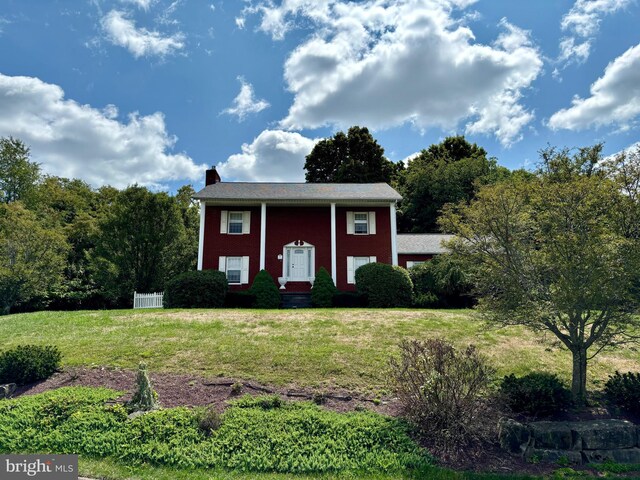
(298, 191)
(422, 242)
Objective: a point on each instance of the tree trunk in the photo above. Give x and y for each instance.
(579, 378)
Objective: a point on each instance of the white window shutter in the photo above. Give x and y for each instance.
(223, 221)
(350, 224)
(373, 259)
(350, 272)
(244, 274)
(246, 222)
(372, 223)
(222, 264)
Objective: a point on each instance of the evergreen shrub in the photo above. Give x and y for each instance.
(323, 289)
(384, 285)
(25, 364)
(199, 289)
(265, 290)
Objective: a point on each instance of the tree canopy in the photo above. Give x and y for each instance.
(354, 157)
(18, 175)
(553, 253)
(450, 171)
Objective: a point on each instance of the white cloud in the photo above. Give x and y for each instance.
(614, 100)
(245, 103)
(383, 63)
(79, 141)
(273, 156)
(583, 22)
(140, 42)
(143, 4)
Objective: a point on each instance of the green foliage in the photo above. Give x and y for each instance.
(441, 282)
(209, 420)
(265, 402)
(623, 391)
(265, 290)
(323, 289)
(138, 248)
(29, 363)
(18, 175)
(31, 256)
(293, 438)
(352, 158)
(242, 299)
(442, 390)
(198, 289)
(145, 397)
(537, 394)
(554, 253)
(384, 285)
(448, 172)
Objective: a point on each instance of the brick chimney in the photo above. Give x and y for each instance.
(212, 176)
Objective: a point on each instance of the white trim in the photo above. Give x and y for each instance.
(222, 264)
(201, 237)
(350, 223)
(246, 222)
(224, 215)
(334, 268)
(286, 259)
(394, 234)
(244, 271)
(263, 234)
(350, 271)
(372, 223)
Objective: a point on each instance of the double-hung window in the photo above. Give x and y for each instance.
(235, 222)
(353, 263)
(360, 223)
(234, 269)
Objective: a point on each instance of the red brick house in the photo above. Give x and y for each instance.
(293, 229)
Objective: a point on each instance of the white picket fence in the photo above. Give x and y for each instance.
(148, 300)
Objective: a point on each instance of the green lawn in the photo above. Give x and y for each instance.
(315, 348)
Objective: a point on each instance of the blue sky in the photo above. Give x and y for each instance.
(153, 91)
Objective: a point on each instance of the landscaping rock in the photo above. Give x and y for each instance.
(513, 436)
(552, 436)
(561, 457)
(7, 390)
(624, 455)
(606, 434)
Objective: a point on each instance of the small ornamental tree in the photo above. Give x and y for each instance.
(265, 291)
(384, 285)
(323, 289)
(145, 397)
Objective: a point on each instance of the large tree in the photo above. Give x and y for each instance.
(136, 248)
(32, 257)
(18, 175)
(450, 171)
(551, 253)
(352, 158)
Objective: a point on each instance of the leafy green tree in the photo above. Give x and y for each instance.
(18, 175)
(136, 245)
(549, 253)
(32, 257)
(450, 171)
(352, 158)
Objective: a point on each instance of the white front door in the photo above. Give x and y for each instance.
(299, 266)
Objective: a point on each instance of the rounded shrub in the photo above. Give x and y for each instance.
(623, 391)
(537, 394)
(384, 285)
(29, 363)
(265, 291)
(200, 289)
(323, 289)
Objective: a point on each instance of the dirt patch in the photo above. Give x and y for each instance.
(176, 390)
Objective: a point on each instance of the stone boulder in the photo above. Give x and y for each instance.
(553, 436)
(7, 389)
(513, 436)
(605, 434)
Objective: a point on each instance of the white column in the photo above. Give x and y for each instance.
(334, 263)
(394, 234)
(263, 234)
(201, 239)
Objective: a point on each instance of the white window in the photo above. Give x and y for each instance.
(361, 223)
(353, 263)
(411, 264)
(236, 269)
(236, 223)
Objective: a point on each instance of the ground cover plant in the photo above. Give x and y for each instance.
(315, 348)
(255, 434)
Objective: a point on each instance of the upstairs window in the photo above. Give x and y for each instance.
(235, 223)
(361, 223)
